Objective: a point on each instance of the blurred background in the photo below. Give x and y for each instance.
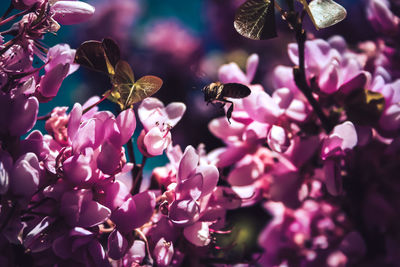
(184, 43)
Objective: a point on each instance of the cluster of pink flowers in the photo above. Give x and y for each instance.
(332, 196)
(172, 38)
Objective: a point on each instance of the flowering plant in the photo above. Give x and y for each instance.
(306, 175)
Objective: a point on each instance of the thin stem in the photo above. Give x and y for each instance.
(44, 117)
(299, 72)
(131, 153)
(301, 80)
(137, 182)
(98, 102)
(132, 159)
(8, 45)
(2, 22)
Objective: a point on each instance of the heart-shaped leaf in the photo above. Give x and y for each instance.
(255, 19)
(324, 13)
(126, 91)
(99, 56)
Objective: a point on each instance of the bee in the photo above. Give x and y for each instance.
(217, 92)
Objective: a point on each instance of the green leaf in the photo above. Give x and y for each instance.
(145, 87)
(123, 73)
(126, 92)
(255, 19)
(98, 56)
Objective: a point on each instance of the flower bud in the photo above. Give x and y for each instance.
(51, 81)
(278, 139)
(71, 12)
(163, 252)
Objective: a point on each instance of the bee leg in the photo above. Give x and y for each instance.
(230, 110)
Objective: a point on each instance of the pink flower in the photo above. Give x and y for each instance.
(134, 212)
(6, 163)
(170, 36)
(26, 176)
(231, 73)
(343, 139)
(158, 121)
(194, 183)
(336, 68)
(296, 235)
(50, 83)
(71, 12)
(381, 17)
(79, 209)
(61, 54)
(163, 252)
(56, 125)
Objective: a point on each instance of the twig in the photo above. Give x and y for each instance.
(299, 73)
(300, 79)
(4, 21)
(137, 182)
(98, 102)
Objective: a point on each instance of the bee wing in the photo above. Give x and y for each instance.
(235, 90)
(145, 87)
(98, 56)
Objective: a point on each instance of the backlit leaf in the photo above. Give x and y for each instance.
(98, 56)
(327, 13)
(145, 87)
(123, 73)
(255, 19)
(324, 13)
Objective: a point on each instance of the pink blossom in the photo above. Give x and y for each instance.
(158, 121)
(304, 230)
(381, 17)
(127, 218)
(231, 73)
(198, 234)
(343, 138)
(26, 176)
(194, 183)
(71, 12)
(170, 36)
(5, 169)
(79, 209)
(56, 125)
(336, 68)
(163, 252)
(61, 54)
(117, 245)
(50, 83)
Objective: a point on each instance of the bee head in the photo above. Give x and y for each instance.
(206, 91)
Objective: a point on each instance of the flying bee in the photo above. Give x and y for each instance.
(217, 92)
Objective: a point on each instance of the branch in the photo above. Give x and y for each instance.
(300, 79)
(137, 182)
